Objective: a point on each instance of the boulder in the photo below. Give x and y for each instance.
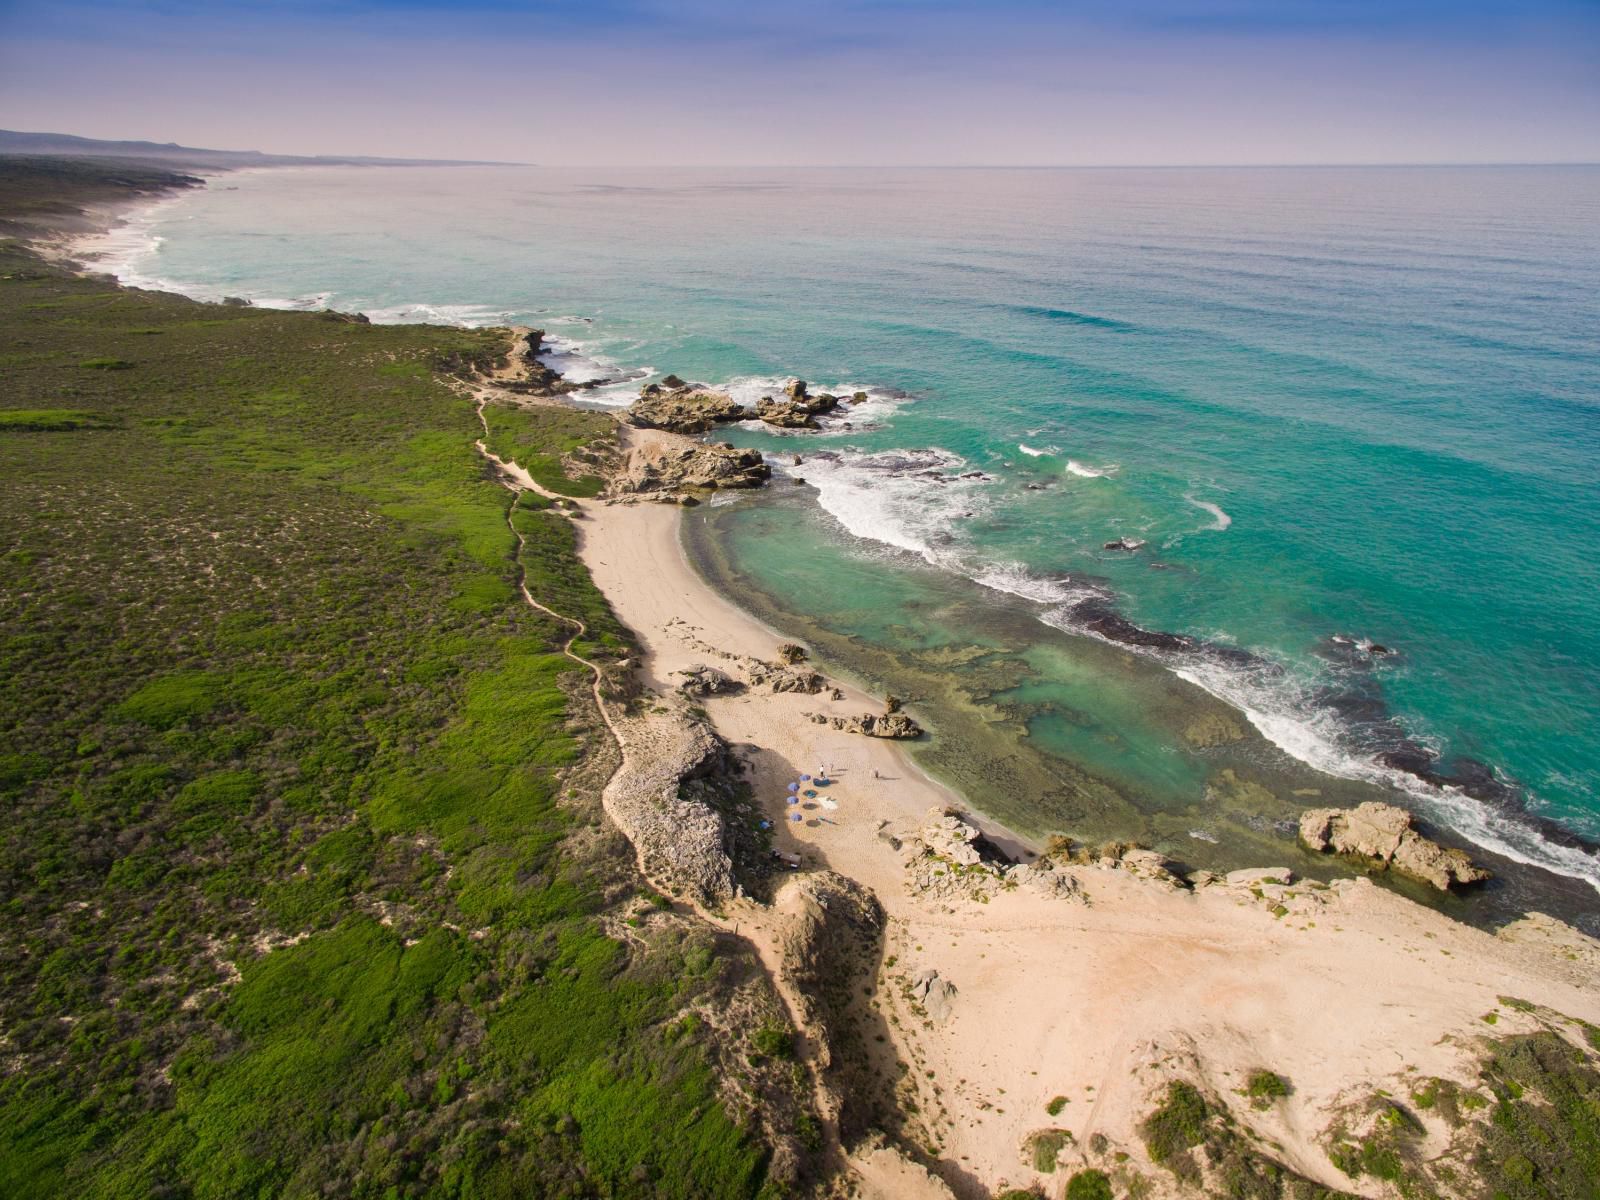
(1124, 543)
(796, 390)
(934, 994)
(1382, 835)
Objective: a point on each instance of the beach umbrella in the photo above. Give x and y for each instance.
(794, 816)
(794, 787)
(805, 779)
(794, 799)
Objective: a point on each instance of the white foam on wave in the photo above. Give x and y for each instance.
(912, 500)
(1222, 521)
(1031, 452)
(130, 248)
(1017, 580)
(849, 418)
(468, 316)
(1074, 467)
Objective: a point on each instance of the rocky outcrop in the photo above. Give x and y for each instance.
(829, 948)
(708, 681)
(1124, 543)
(879, 725)
(798, 410)
(657, 798)
(948, 857)
(683, 409)
(536, 379)
(674, 467)
(1382, 835)
(787, 679)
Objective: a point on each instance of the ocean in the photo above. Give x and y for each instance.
(1345, 423)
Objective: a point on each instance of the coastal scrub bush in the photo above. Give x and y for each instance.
(1264, 1086)
(1178, 1124)
(773, 1041)
(1056, 1105)
(1089, 1185)
(1046, 1146)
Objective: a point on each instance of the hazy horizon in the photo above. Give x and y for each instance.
(1020, 83)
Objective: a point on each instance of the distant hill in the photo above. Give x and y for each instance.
(171, 154)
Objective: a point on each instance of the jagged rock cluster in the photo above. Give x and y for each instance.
(537, 379)
(666, 468)
(1382, 835)
(708, 681)
(894, 725)
(949, 858)
(799, 409)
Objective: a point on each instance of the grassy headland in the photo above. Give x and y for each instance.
(306, 887)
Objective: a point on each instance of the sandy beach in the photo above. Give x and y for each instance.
(1093, 1000)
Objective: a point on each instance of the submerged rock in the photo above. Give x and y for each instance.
(1124, 543)
(1382, 834)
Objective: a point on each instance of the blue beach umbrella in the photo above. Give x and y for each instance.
(794, 787)
(794, 816)
(794, 799)
(805, 779)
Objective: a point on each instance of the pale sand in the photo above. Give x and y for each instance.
(1101, 1002)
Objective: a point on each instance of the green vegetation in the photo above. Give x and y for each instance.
(539, 437)
(304, 877)
(1056, 1105)
(1046, 1147)
(1177, 1125)
(1264, 1086)
(1227, 1164)
(1089, 1185)
(50, 420)
(1543, 1134)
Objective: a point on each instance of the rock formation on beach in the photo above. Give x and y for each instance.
(680, 839)
(1383, 835)
(708, 681)
(667, 467)
(879, 725)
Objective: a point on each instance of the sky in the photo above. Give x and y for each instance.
(870, 82)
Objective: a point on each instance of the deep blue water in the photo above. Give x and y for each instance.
(1353, 403)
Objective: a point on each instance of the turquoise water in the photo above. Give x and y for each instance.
(1352, 403)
